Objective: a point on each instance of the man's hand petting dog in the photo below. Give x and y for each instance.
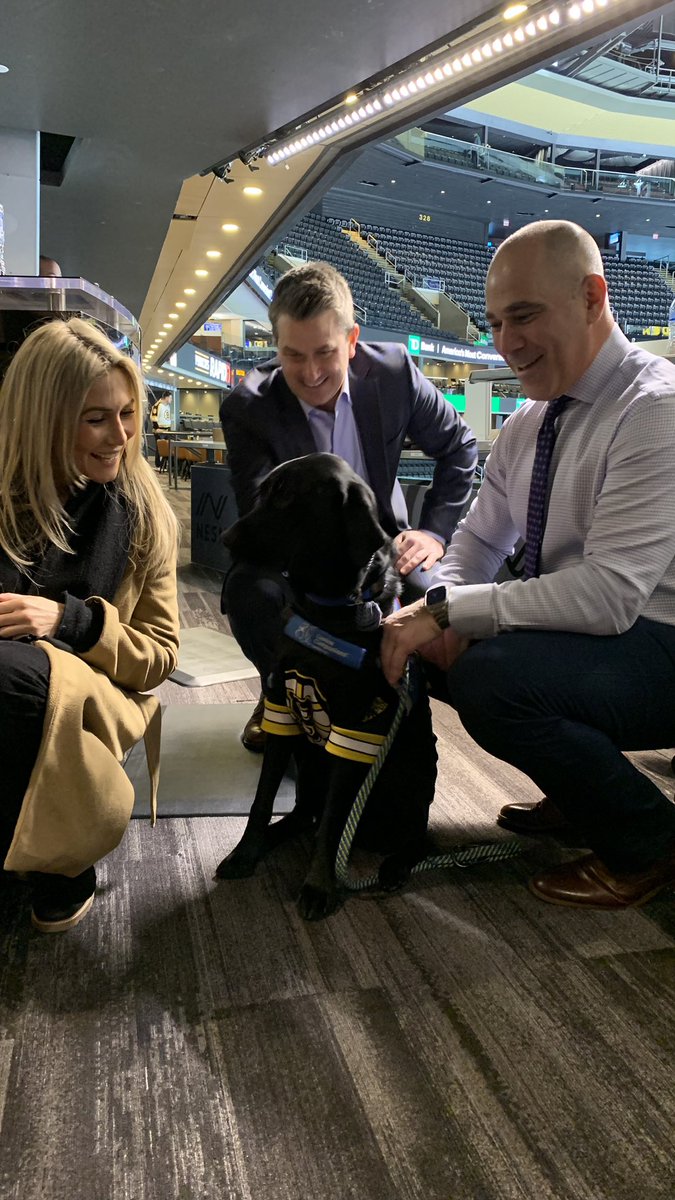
(415, 548)
(414, 629)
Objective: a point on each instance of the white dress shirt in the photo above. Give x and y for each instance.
(608, 554)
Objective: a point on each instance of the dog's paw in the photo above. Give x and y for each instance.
(238, 865)
(394, 872)
(316, 903)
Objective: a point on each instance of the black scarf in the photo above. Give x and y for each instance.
(99, 518)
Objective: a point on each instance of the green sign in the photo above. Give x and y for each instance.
(413, 344)
(454, 398)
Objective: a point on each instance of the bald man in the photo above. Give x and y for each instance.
(562, 670)
(49, 267)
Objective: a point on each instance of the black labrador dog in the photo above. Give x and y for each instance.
(316, 521)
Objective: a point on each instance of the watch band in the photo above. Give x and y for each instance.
(439, 612)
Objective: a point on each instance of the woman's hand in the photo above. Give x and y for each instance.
(28, 615)
(413, 628)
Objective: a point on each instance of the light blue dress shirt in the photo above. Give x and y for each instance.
(337, 433)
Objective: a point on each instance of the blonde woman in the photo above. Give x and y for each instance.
(88, 609)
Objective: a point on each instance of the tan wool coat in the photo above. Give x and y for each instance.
(79, 799)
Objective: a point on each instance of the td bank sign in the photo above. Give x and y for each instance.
(453, 351)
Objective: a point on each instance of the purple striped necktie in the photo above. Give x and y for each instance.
(536, 505)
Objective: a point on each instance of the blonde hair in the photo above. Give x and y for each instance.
(41, 402)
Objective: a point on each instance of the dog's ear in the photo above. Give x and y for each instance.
(364, 534)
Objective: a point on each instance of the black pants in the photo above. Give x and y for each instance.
(562, 707)
(24, 683)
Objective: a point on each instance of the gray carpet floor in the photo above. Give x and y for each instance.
(193, 1040)
(198, 1039)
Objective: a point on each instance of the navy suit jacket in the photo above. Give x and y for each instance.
(265, 425)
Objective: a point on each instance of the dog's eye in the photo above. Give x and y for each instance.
(280, 495)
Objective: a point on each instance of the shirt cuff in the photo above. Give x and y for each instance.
(471, 610)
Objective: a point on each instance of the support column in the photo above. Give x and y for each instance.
(20, 199)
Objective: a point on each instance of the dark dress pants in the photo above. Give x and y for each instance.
(562, 707)
(24, 683)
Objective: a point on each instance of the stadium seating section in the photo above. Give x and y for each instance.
(638, 295)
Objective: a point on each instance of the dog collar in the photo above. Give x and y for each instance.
(317, 639)
(349, 601)
(352, 599)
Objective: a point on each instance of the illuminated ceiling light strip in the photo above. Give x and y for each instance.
(467, 60)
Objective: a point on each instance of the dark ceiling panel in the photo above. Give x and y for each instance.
(155, 92)
(466, 203)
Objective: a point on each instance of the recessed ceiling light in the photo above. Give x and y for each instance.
(489, 202)
(166, 325)
(213, 254)
(351, 98)
(598, 214)
(230, 227)
(181, 304)
(647, 218)
(189, 292)
(201, 272)
(3, 69)
(173, 316)
(545, 210)
(513, 11)
(253, 191)
(442, 191)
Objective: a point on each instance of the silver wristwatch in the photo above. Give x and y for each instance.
(436, 600)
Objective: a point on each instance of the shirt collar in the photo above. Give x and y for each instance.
(308, 409)
(602, 370)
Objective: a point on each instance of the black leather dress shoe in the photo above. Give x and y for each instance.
(540, 818)
(253, 736)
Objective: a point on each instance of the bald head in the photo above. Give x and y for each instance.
(563, 249)
(49, 267)
(547, 304)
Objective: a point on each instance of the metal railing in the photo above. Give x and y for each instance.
(293, 251)
(397, 272)
(434, 147)
(659, 75)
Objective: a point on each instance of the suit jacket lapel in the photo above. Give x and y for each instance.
(365, 396)
(293, 431)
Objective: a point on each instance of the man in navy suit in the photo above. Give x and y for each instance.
(327, 391)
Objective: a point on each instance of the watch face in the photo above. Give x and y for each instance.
(436, 595)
